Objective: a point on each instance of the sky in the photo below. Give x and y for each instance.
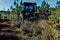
(6, 4)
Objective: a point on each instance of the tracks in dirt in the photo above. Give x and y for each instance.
(7, 32)
(42, 23)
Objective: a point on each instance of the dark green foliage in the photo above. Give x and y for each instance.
(14, 2)
(45, 5)
(17, 0)
(11, 7)
(58, 4)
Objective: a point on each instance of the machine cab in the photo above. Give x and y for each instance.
(29, 7)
